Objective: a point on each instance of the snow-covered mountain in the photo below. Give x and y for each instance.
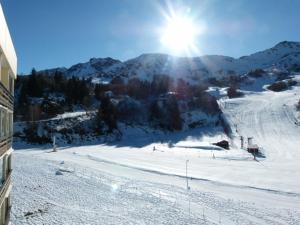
(94, 67)
(285, 56)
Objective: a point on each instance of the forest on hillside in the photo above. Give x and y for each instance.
(160, 104)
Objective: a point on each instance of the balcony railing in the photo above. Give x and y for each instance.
(3, 192)
(5, 187)
(6, 98)
(5, 144)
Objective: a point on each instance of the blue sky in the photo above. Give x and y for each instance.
(54, 33)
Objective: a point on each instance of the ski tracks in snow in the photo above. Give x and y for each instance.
(85, 196)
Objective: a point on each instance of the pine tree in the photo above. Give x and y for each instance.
(108, 114)
(173, 112)
(155, 112)
(34, 85)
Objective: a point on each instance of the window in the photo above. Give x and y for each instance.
(4, 168)
(1, 172)
(3, 123)
(10, 123)
(9, 163)
(7, 124)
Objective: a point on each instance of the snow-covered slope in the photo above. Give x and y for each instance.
(131, 182)
(124, 183)
(282, 56)
(95, 67)
(285, 55)
(69, 188)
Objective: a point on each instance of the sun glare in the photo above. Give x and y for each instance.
(179, 34)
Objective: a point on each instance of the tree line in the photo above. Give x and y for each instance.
(156, 102)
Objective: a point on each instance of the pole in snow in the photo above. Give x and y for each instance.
(54, 145)
(189, 206)
(250, 140)
(186, 174)
(187, 185)
(242, 142)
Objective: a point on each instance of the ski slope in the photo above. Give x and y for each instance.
(145, 182)
(271, 119)
(52, 188)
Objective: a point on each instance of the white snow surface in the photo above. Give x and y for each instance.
(135, 181)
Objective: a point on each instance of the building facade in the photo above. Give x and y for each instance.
(8, 73)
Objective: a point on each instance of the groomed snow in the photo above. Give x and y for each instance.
(131, 182)
(67, 188)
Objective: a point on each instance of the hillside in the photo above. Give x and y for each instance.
(154, 91)
(143, 178)
(144, 142)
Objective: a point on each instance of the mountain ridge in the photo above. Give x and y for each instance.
(283, 56)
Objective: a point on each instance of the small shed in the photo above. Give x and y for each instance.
(253, 148)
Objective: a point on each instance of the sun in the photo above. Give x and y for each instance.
(179, 34)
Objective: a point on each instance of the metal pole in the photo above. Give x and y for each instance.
(186, 174)
(242, 142)
(54, 144)
(189, 206)
(187, 186)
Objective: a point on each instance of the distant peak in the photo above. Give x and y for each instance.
(288, 44)
(147, 55)
(108, 59)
